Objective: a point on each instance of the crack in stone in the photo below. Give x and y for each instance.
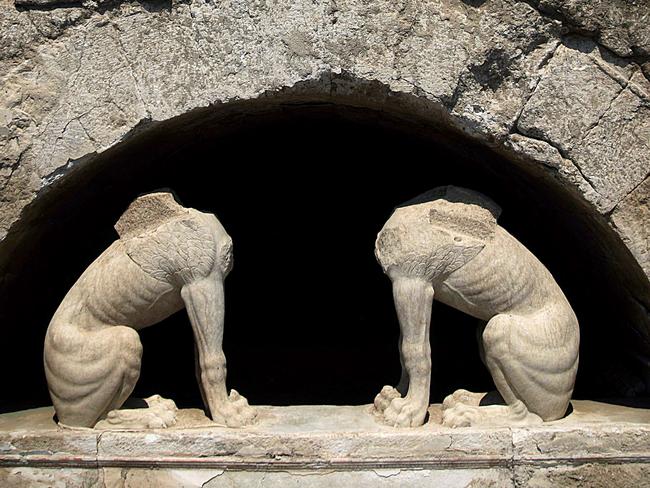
(573, 28)
(82, 54)
(136, 85)
(212, 478)
(549, 56)
(563, 155)
(112, 102)
(515, 129)
(418, 89)
(543, 63)
(511, 460)
(98, 467)
(90, 138)
(60, 26)
(61, 136)
(387, 473)
(612, 73)
(620, 200)
(609, 106)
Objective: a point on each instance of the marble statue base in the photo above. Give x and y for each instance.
(323, 446)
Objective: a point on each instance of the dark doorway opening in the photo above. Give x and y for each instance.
(303, 191)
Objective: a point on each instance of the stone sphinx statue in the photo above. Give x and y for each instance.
(446, 244)
(167, 257)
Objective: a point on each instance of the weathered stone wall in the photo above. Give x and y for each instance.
(558, 85)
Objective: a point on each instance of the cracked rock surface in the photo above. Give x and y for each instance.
(77, 78)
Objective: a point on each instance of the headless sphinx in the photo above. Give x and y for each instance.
(167, 257)
(447, 245)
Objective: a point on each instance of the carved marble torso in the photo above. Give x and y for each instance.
(155, 262)
(451, 238)
(479, 288)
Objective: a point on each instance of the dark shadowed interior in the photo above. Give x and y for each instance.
(303, 191)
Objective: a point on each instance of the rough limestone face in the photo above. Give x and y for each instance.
(167, 257)
(447, 245)
(552, 85)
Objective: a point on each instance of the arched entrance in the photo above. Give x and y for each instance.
(303, 187)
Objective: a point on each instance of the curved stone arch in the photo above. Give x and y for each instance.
(344, 97)
(414, 107)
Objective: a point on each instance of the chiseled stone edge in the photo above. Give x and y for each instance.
(239, 450)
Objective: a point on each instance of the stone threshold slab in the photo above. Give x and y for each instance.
(330, 437)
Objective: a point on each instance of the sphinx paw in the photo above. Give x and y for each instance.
(236, 412)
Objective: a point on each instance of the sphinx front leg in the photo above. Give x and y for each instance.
(204, 300)
(413, 300)
(389, 393)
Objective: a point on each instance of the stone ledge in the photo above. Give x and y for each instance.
(328, 437)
